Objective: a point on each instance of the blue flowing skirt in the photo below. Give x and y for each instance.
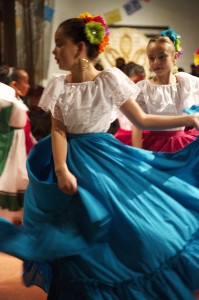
(130, 232)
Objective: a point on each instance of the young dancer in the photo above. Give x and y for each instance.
(14, 181)
(13, 174)
(166, 94)
(18, 79)
(112, 221)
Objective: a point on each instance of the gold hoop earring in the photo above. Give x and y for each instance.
(84, 63)
(175, 69)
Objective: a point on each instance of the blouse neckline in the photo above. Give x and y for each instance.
(86, 82)
(163, 85)
(169, 84)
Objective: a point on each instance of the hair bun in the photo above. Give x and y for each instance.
(96, 30)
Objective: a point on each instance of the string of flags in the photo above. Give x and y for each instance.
(48, 13)
(130, 7)
(111, 17)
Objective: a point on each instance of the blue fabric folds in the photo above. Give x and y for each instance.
(131, 231)
(192, 110)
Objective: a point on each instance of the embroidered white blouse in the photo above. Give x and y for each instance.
(169, 99)
(88, 106)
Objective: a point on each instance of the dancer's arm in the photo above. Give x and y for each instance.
(66, 180)
(136, 137)
(155, 122)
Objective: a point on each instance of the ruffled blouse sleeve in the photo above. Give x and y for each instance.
(189, 88)
(120, 86)
(141, 96)
(51, 94)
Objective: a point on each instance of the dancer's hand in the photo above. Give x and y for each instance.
(67, 181)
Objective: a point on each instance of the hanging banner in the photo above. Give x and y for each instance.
(132, 6)
(113, 16)
(48, 13)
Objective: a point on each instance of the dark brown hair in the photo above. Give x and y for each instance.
(74, 29)
(133, 69)
(9, 74)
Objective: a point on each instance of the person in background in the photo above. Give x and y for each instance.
(13, 174)
(167, 93)
(103, 220)
(124, 131)
(181, 69)
(99, 66)
(18, 79)
(120, 63)
(12, 198)
(194, 70)
(40, 120)
(134, 71)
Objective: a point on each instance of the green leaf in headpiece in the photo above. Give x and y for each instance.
(95, 32)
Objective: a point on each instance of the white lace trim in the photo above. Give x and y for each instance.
(169, 99)
(92, 105)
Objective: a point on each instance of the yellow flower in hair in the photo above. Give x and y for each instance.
(177, 44)
(85, 15)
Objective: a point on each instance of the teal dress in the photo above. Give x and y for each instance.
(130, 232)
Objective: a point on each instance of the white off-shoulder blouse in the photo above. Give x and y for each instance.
(169, 99)
(88, 106)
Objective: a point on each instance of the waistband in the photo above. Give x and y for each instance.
(165, 133)
(87, 135)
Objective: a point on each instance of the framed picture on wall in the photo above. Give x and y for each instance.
(149, 31)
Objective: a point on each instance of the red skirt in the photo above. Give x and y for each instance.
(160, 141)
(168, 141)
(124, 136)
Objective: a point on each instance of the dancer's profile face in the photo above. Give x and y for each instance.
(65, 51)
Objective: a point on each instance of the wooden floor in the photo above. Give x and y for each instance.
(11, 285)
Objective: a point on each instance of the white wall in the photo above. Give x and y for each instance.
(181, 15)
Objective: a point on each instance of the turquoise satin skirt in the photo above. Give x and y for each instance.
(131, 231)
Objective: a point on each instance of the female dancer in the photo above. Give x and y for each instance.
(166, 94)
(13, 174)
(18, 79)
(112, 221)
(14, 181)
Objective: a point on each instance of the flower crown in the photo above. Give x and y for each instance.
(175, 38)
(196, 58)
(96, 30)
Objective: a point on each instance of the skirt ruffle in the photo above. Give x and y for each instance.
(160, 141)
(168, 141)
(131, 231)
